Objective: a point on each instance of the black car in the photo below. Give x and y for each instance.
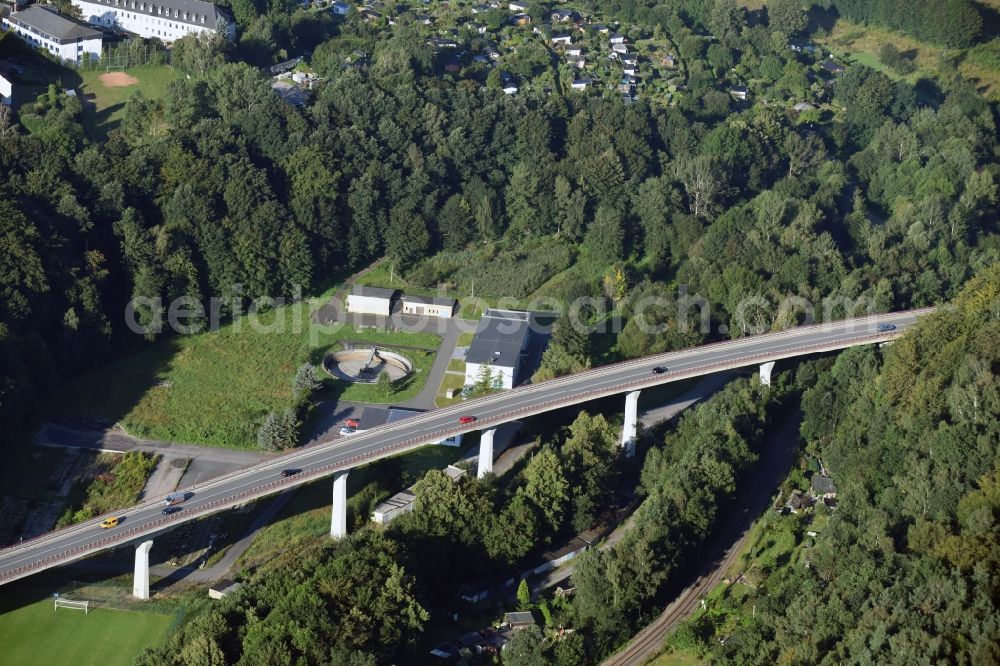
(659, 370)
(171, 509)
(290, 472)
(882, 328)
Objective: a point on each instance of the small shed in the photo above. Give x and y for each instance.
(394, 507)
(222, 588)
(739, 92)
(519, 619)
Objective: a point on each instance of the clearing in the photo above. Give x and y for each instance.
(105, 94)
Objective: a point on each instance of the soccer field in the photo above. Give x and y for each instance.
(34, 634)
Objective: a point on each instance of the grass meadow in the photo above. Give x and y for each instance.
(215, 387)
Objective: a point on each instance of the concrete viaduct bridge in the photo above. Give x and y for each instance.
(141, 522)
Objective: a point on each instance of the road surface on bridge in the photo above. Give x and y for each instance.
(264, 478)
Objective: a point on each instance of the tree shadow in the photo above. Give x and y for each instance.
(821, 19)
(991, 21)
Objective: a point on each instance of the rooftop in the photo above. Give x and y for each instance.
(398, 501)
(372, 292)
(430, 300)
(500, 337)
(53, 25)
(519, 618)
(823, 485)
(194, 12)
(373, 417)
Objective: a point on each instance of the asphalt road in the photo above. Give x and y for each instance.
(264, 478)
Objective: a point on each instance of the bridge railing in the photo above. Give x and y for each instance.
(130, 534)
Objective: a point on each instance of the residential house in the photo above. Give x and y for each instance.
(803, 106)
(517, 6)
(600, 28)
(739, 92)
(340, 8)
(669, 61)
(574, 52)
(370, 15)
(581, 84)
(823, 486)
(564, 40)
(798, 501)
(832, 67)
(492, 53)
(618, 39)
(620, 48)
(629, 70)
(520, 19)
(64, 38)
(564, 16)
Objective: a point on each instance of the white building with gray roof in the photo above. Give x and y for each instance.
(500, 345)
(371, 300)
(166, 20)
(64, 38)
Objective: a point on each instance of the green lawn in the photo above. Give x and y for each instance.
(448, 382)
(105, 112)
(36, 634)
(215, 388)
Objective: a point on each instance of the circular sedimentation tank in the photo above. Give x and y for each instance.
(360, 366)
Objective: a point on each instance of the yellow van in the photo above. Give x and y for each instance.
(110, 522)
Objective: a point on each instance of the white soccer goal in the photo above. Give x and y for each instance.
(83, 605)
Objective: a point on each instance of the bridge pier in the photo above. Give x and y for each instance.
(140, 579)
(765, 373)
(485, 452)
(338, 520)
(630, 430)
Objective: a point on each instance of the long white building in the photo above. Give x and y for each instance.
(62, 37)
(165, 20)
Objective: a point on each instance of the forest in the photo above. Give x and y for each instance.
(224, 190)
(908, 566)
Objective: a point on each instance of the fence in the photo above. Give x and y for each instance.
(122, 55)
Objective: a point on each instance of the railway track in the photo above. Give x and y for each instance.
(776, 459)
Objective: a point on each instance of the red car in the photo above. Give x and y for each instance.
(351, 423)
(467, 419)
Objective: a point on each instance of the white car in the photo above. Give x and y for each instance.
(348, 430)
